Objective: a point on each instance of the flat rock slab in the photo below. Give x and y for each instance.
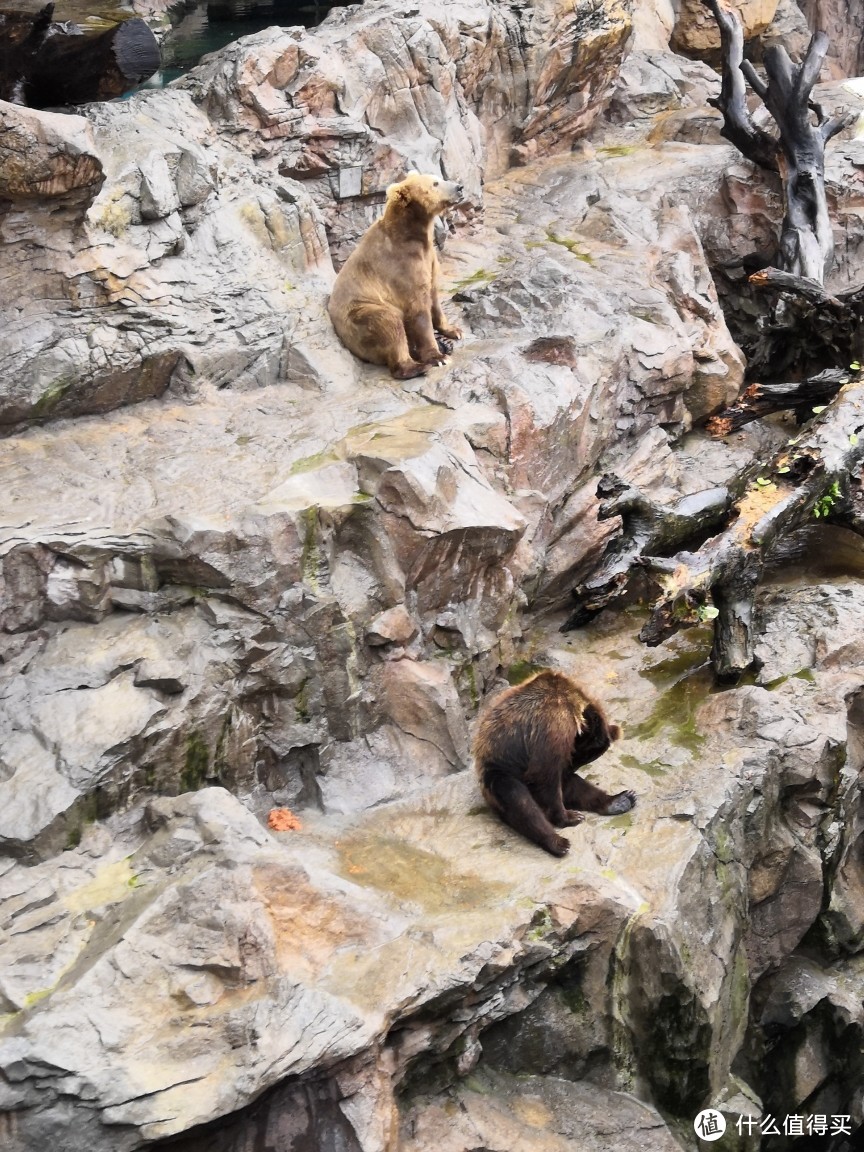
(182, 960)
(534, 1114)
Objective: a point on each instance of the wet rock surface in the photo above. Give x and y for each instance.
(241, 570)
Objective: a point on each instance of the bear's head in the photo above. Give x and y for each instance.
(426, 196)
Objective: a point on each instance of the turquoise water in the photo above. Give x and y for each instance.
(206, 27)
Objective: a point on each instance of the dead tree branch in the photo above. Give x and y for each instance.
(810, 477)
(763, 399)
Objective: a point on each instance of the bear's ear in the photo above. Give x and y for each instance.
(397, 194)
(614, 732)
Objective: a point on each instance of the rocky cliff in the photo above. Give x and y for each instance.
(242, 570)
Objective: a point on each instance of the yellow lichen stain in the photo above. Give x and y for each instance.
(280, 235)
(252, 215)
(531, 1111)
(754, 505)
(399, 438)
(110, 885)
(408, 873)
(115, 217)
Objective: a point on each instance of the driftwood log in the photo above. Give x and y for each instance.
(757, 400)
(648, 529)
(812, 478)
(44, 64)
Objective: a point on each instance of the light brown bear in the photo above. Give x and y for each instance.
(384, 304)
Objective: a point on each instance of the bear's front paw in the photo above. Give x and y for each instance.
(451, 332)
(557, 846)
(623, 802)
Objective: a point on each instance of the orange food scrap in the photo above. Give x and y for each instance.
(283, 820)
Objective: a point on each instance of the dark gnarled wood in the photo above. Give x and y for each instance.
(763, 399)
(648, 528)
(47, 65)
(806, 246)
(812, 475)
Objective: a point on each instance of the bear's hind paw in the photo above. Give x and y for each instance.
(408, 370)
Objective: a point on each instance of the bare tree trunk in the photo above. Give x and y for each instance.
(806, 246)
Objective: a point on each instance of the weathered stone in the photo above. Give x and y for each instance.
(74, 591)
(395, 626)
(696, 30)
(789, 29)
(167, 277)
(815, 1019)
(843, 21)
(422, 700)
(463, 89)
(46, 154)
(167, 676)
(510, 1114)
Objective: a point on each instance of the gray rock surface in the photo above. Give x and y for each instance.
(282, 580)
(188, 910)
(184, 263)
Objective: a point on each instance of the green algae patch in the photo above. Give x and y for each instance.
(310, 558)
(623, 820)
(195, 764)
(481, 276)
(412, 874)
(467, 676)
(314, 462)
(572, 246)
(654, 768)
(683, 679)
(674, 714)
(690, 657)
(52, 396)
(521, 671)
(618, 150)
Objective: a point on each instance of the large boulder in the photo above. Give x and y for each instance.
(463, 89)
(142, 255)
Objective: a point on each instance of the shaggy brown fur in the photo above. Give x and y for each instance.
(384, 305)
(530, 741)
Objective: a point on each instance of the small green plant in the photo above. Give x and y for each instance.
(707, 612)
(825, 503)
(762, 482)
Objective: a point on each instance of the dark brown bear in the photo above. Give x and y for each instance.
(530, 741)
(384, 305)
